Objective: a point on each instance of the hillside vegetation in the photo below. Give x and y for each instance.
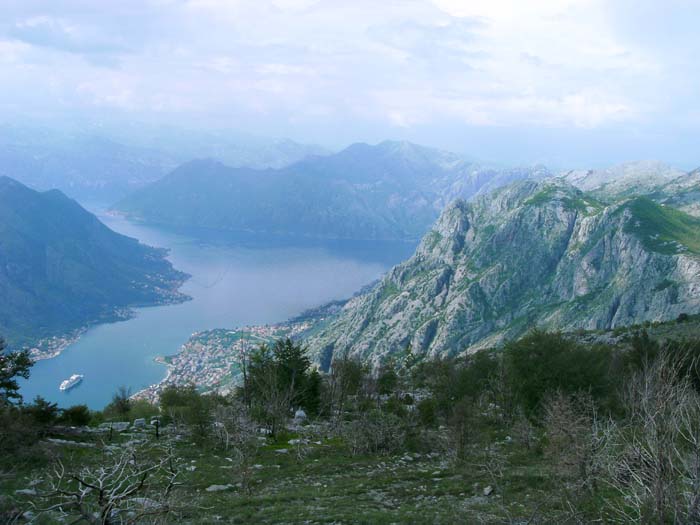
(549, 429)
(62, 269)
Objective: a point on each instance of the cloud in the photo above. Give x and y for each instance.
(329, 67)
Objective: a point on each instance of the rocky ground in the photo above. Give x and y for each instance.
(306, 476)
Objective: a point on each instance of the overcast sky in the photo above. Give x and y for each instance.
(568, 82)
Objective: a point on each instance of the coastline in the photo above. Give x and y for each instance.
(53, 346)
(209, 359)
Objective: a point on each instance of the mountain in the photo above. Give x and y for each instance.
(105, 165)
(628, 178)
(393, 190)
(530, 254)
(62, 269)
(660, 182)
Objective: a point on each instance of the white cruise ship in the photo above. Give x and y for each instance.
(71, 382)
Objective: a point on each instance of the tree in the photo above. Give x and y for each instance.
(657, 468)
(121, 402)
(133, 486)
(12, 366)
(280, 378)
(543, 362)
(185, 405)
(77, 416)
(344, 380)
(42, 411)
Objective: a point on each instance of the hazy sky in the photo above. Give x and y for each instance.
(571, 82)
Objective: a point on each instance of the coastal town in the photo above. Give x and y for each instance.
(210, 359)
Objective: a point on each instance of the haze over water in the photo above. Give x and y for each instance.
(236, 281)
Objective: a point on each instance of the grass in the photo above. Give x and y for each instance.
(329, 485)
(663, 229)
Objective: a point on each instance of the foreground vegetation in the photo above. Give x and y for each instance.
(545, 430)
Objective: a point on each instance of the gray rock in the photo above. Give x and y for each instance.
(218, 488)
(139, 423)
(488, 490)
(119, 426)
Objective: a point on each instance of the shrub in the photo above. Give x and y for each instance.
(374, 432)
(543, 362)
(76, 416)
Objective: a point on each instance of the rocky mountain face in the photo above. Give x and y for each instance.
(658, 181)
(631, 177)
(530, 254)
(61, 268)
(393, 190)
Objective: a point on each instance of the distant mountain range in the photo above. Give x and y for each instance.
(104, 166)
(394, 190)
(62, 269)
(533, 253)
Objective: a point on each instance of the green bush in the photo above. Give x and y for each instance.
(542, 362)
(76, 416)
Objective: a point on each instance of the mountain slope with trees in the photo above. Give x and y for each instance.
(61, 268)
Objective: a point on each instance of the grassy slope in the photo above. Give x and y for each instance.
(664, 229)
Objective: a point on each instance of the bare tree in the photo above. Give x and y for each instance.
(131, 487)
(576, 437)
(236, 434)
(657, 468)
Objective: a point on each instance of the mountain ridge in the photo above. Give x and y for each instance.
(529, 254)
(392, 190)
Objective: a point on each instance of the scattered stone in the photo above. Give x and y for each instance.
(191, 468)
(139, 423)
(282, 451)
(218, 488)
(299, 416)
(146, 503)
(26, 492)
(58, 441)
(488, 490)
(119, 426)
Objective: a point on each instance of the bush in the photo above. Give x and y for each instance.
(43, 412)
(184, 405)
(374, 432)
(543, 362)
(427, 412)
(76, 416)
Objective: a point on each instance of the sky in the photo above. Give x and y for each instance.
(570, 83)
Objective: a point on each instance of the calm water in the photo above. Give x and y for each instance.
(236, 281)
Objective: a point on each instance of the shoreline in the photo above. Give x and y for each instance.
(208, 358)
(53, 346)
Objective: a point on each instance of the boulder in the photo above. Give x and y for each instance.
(139, 423)
(218, 488)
